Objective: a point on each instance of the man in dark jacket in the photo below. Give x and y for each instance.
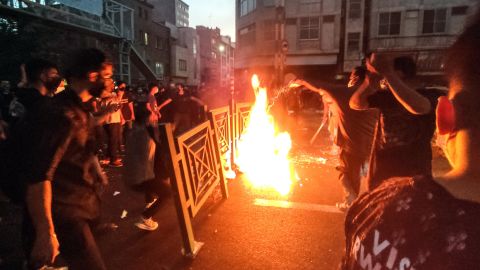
(62, 163)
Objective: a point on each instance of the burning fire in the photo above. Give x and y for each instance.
(262, 150)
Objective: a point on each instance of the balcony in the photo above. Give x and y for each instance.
(417, 43)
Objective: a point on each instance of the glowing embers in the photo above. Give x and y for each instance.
(262, 150)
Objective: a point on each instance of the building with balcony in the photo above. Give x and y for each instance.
(122, 28)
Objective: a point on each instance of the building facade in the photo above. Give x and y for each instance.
(308, 29)
(185, 57)
(323, 38)
(175, 12)
(421, 28)
(217, 58)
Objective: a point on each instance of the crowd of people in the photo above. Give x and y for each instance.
(56, 134)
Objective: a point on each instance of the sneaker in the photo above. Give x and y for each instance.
(117, 163)
(146, 224)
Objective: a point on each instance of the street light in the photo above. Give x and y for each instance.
(221, 48)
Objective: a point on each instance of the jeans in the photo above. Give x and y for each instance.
(113, 130)
(350, 174)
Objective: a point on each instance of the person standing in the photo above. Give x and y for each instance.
(61, 196)
(113, 125)
(182, 108)
(402, 144)
(354, 133)
(422, 222)
(141, 172)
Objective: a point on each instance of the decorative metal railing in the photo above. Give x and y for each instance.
(196, 170)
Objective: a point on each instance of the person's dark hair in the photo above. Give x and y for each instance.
(85, 61)
(406, 65)
(361, 72)
(151, 86)
(121, 82)
(463, 57)
(35, 67)
(181, 84)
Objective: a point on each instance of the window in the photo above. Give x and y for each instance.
(145, 39)
(140, 12)
(182, 65)
(309, 27)
(355, 10)
(159, 69)
(434, 21)
(157, 42)
(146, 14)
(269, 30)
(389, 23)
(308, 6)
(461, 10)
(353, 43)
(247, 6)
(140, 35)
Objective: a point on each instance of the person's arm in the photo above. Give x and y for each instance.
(359, 99)
(410, 99)
(130, 107)
(54, 139)
(197, 100)
(308, 85)
(39, 205)
(165, 103)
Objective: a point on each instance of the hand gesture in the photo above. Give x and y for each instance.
(380, 63)
(45, 249)
(297, 83)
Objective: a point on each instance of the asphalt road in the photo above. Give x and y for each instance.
(253, 229)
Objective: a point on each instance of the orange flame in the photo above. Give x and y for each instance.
(255, 82)
(263, 151)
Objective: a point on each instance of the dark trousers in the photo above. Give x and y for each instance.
(158, 189)
(182, 122)
(77, 244)
(113, 140)
(350, 170)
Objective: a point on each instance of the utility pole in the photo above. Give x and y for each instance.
(341, 53)
(281, 45)
(367, 11)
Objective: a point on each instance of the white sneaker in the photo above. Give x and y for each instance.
(147, 224)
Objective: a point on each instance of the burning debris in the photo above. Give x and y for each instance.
(263, 151)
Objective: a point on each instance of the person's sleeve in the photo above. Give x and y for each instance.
(52, 137)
